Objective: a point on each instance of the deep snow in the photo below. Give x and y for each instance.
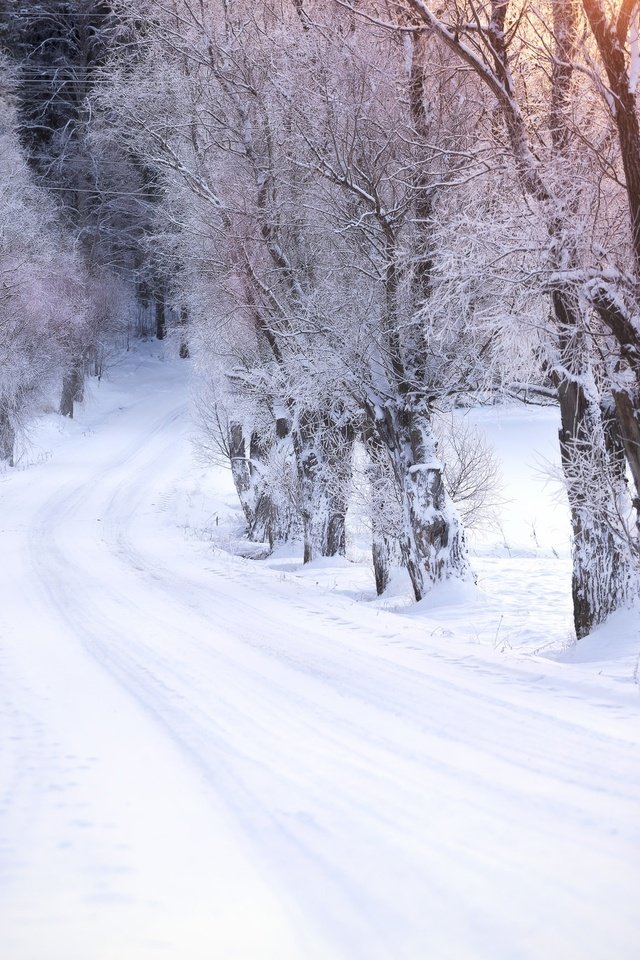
(205, 755)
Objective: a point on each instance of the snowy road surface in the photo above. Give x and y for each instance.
(200, 759)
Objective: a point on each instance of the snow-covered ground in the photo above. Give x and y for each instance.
(209, 756)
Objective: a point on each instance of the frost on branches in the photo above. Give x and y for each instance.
(371, 214)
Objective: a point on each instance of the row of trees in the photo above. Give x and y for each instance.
(75, 220)
(377, 210)
(46, 309)
(359, 215)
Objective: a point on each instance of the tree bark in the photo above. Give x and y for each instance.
(7, 438)
(323, 450)
(72, 389)
(240, 471)
(602, 567)
(161, 313)
(385, 551)
(268, 519)
(628, 413)
(432, 541)
(184, 342)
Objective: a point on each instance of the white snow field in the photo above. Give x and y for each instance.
(211, 757)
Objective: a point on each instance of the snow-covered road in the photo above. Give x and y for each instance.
(200, 759)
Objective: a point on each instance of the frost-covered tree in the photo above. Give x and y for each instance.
(615, 29)
(241, 182)
(57, 50)
(525, 61)
(370, 210)
(395, 167)
(43, 296)
(298, 194)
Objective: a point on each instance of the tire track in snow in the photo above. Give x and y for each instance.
(345, 698)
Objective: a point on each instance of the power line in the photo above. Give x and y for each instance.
(60, 15)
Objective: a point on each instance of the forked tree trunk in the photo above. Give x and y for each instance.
(432, 541)
(276, 517)
(269, 519)
(323, 450)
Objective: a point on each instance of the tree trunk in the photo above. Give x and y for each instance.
(591, 443)
(72, 389)
(240, 471)
(628, 413)
(614, 439)
(161, 313)
(596, 488)
(323, 450)
(274, 517)
(385, 551)
(623, 325)
(381, 564)
(7, 438)
(184, 343)
(266, 520)
(337, 532)
(432, 542)
(602, 563)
